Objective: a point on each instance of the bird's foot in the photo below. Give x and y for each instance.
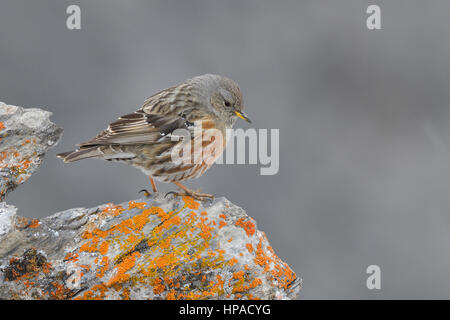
(194, 194)
(191, 193)
(175, 194)
(145, 192)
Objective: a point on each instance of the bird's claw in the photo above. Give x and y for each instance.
(146, 192)
(176, 194)
(193, 194)
(197, 195)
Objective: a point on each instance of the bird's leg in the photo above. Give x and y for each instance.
(145, 191)
(193, 194)
(153, 184)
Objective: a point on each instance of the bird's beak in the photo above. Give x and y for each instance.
(242, 115)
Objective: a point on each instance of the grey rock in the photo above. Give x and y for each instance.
(150, 248)
(25, 136)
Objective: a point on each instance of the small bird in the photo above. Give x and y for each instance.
(146, 138)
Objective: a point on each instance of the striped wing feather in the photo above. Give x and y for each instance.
(161, 114)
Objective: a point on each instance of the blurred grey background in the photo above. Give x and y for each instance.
(364, 119)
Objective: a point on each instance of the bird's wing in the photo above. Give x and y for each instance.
(160, 116)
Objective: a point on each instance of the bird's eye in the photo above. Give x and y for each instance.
(227, 103)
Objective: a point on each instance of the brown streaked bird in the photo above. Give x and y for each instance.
(145, 138)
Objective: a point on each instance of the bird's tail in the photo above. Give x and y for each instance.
(79, 154)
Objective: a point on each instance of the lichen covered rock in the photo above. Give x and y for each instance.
(153, 248)
(25, 136)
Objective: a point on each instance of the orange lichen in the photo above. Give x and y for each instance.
(138, 221)
(281, 271)
(46, 267)
(220, 282)
(104, 268)
(137, 205)
(113, 210)
(126, 294)
(232, 262)
(171, 295)
(190, 202)
(240, 286)
(170, 222)
(248, 226)
(90, 246)
(22, 222)
(60, 292)
(284, 275)
(165, 243)
(98, 292)
(34, 224)
(158, 287)
(205, 232)
(238, 274)
(132, 238)
(249, 247)
(261, 258)
(121, 269)
(221, 252)
(2, 126)
(166, 261)
(17, 164)
(71, 257)
(104, 247)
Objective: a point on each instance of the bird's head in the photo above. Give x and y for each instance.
(226, 99)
